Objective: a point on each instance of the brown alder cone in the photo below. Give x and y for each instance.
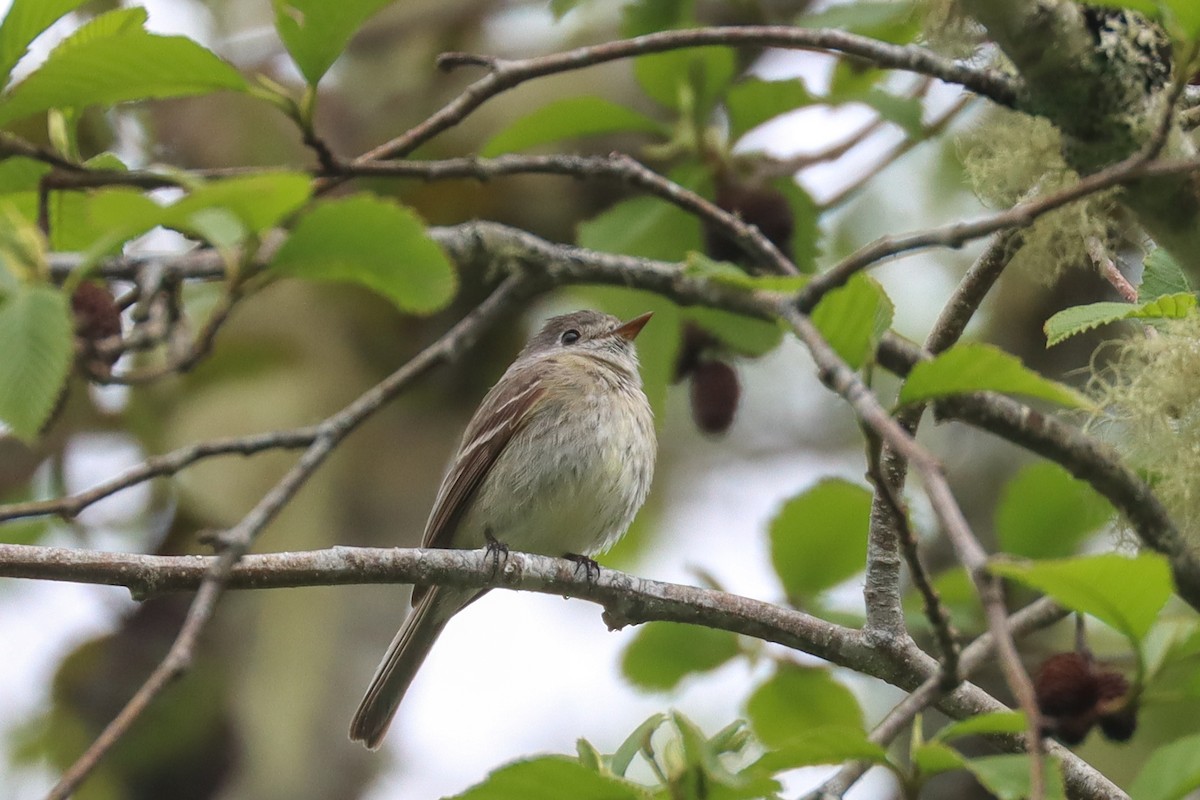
(714, 392)
(97, 318)
(1074, 692)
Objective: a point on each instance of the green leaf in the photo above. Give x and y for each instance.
(853, 317)
(826, 745)
(1080, 319)
(316, 31)
(1007, 777)
(819, 538)
(25, 20)
(806, 222)
(934, 758)
(894, 22)
(753, 101)
(621, 759)
(18, 174)
(1088, 584)
(560, 7)
(702, 267)
(1162, 275)
(566, 119)
(664, 653)
(688, 79)
(36, 339)
(88, 70)
(743, 335)
(1045, 513)
(976, 367)
(645, 227)
(989, 722)
(372, 242)
(258, 201)
(798, 699)
(1171, 773)
(550, 778)
(905, 112)
(1186, 15)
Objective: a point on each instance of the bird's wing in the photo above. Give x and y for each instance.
(503, 412)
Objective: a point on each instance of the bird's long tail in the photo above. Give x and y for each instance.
(400, 664)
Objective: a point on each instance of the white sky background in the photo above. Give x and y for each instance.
(546, 671)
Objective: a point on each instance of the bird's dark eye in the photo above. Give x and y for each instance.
(570, 337)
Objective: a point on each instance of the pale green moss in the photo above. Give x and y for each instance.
(1009, 157)
(1151, 400)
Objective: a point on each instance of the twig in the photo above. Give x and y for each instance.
(71, 505)
(1021, 215)
(505, 74)
(1108, 269)
(898, 151)
(619, 166)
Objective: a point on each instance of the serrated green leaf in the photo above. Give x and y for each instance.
(976, 367)
(664, 653)
(1172, 772)
(1086, 584)
(36, 339)
(623, 757)
(316, 32)
(568, 118)
(819, 538)
(743, 335)
(1007, 777)
(550, 778)
(753, 101)
(1045, 513)
(825, 745)
(798, 699)
(1080, 319)
(853, 317)
(934, 758)
(25, 20)
(258, 201)
(104, 70)
(372, 242)
(989, 722)
(1162, 275)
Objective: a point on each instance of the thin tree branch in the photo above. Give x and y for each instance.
(503, 74)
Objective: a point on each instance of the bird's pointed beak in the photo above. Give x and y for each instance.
(629, 330)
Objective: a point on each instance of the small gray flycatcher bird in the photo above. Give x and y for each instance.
(557, 460)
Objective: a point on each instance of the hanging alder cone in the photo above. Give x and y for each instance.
(97, 318)
(1074, 692)
(714, 392)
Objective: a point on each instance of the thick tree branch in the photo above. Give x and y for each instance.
(627, 600)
